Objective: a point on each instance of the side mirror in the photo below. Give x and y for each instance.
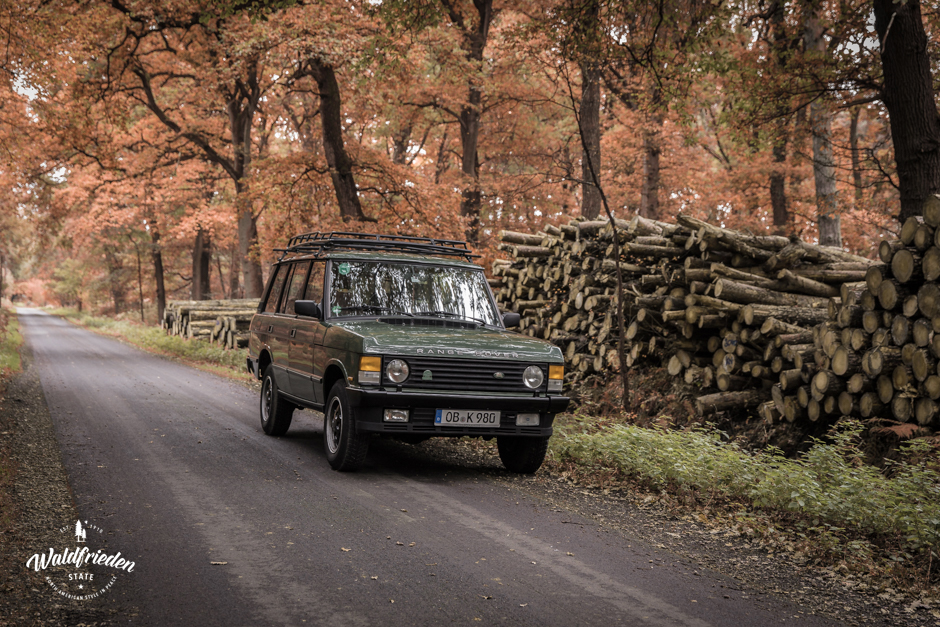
(309, 308)
(511, 319)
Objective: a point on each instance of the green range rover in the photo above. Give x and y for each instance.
(399, 336)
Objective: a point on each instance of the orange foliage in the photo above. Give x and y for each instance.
(95, 171)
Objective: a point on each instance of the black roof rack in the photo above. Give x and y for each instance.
(316, 243)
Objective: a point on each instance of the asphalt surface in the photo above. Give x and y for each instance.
(172, 463)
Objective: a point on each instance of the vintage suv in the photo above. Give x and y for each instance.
(399, 336)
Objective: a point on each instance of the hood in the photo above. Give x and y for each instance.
(449, 341)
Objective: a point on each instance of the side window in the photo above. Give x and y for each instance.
(270, 306)
(296, 284)
(315, 282)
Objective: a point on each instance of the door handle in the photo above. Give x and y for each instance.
(293, 332)
(270, 328)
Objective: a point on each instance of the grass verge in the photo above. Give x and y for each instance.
(206, 356)
(885, 522)
(10, 341)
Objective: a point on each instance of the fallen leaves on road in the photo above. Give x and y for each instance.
(345, 550)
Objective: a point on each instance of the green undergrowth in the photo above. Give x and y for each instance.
(10, 340)
(154, 339)
(827, 494)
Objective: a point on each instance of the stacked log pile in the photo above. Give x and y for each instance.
(222, 321)
(731, 312)
(878, 356)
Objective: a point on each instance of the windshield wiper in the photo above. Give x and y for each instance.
(449, 313)
(376, 308)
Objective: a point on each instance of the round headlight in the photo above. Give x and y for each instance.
(533, 377)
(396, 371)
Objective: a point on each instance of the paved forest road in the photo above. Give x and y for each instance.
(172, 462)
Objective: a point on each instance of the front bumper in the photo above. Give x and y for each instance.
(369, 406)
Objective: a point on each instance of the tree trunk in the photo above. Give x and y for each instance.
(400, 146)
(202, 256)
(140, 282)
(649, 194)
(824, 172)
(856, 162)
(590, 119)
(234, 272)
(115, 272)
(471, 197)
(909, 97)
(156, 254)
(591, 122)
(218, 268)
(247, 239)
(441, 163)
(778, 193)
(334, 147)
(474, 42)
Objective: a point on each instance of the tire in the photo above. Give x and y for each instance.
(276, 413)
(345, 448)
(522, 455)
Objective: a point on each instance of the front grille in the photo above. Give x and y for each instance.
(470, 375)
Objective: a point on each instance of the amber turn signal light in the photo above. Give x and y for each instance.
(370, 364)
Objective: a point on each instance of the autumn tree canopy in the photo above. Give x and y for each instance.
(164, 149)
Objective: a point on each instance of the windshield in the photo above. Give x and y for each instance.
(365, 288)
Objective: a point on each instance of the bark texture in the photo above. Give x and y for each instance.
(778, 193)
(909, 97)
(202, 256)
(824, 171)
(591, 128)
(590, 118)
(474, 35)
(649, 194)
(334, 146)
(156, 256)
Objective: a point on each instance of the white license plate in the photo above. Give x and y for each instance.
(466, 418)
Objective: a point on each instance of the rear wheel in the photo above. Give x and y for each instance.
(522, 455)
(345, 449)
(276, 413)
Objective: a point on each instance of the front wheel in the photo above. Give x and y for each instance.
(345, 449)
(522, 455)
(276, 413)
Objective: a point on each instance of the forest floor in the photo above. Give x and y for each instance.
(870, 566)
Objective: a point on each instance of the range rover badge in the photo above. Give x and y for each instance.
(498, 375)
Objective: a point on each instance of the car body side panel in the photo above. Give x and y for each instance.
(300, 356)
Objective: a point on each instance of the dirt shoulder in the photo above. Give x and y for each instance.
(37, 502)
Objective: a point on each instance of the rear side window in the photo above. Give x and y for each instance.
(315, 282)
(270, 306)
(297, 283)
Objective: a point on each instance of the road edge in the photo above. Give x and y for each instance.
(42, 502)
